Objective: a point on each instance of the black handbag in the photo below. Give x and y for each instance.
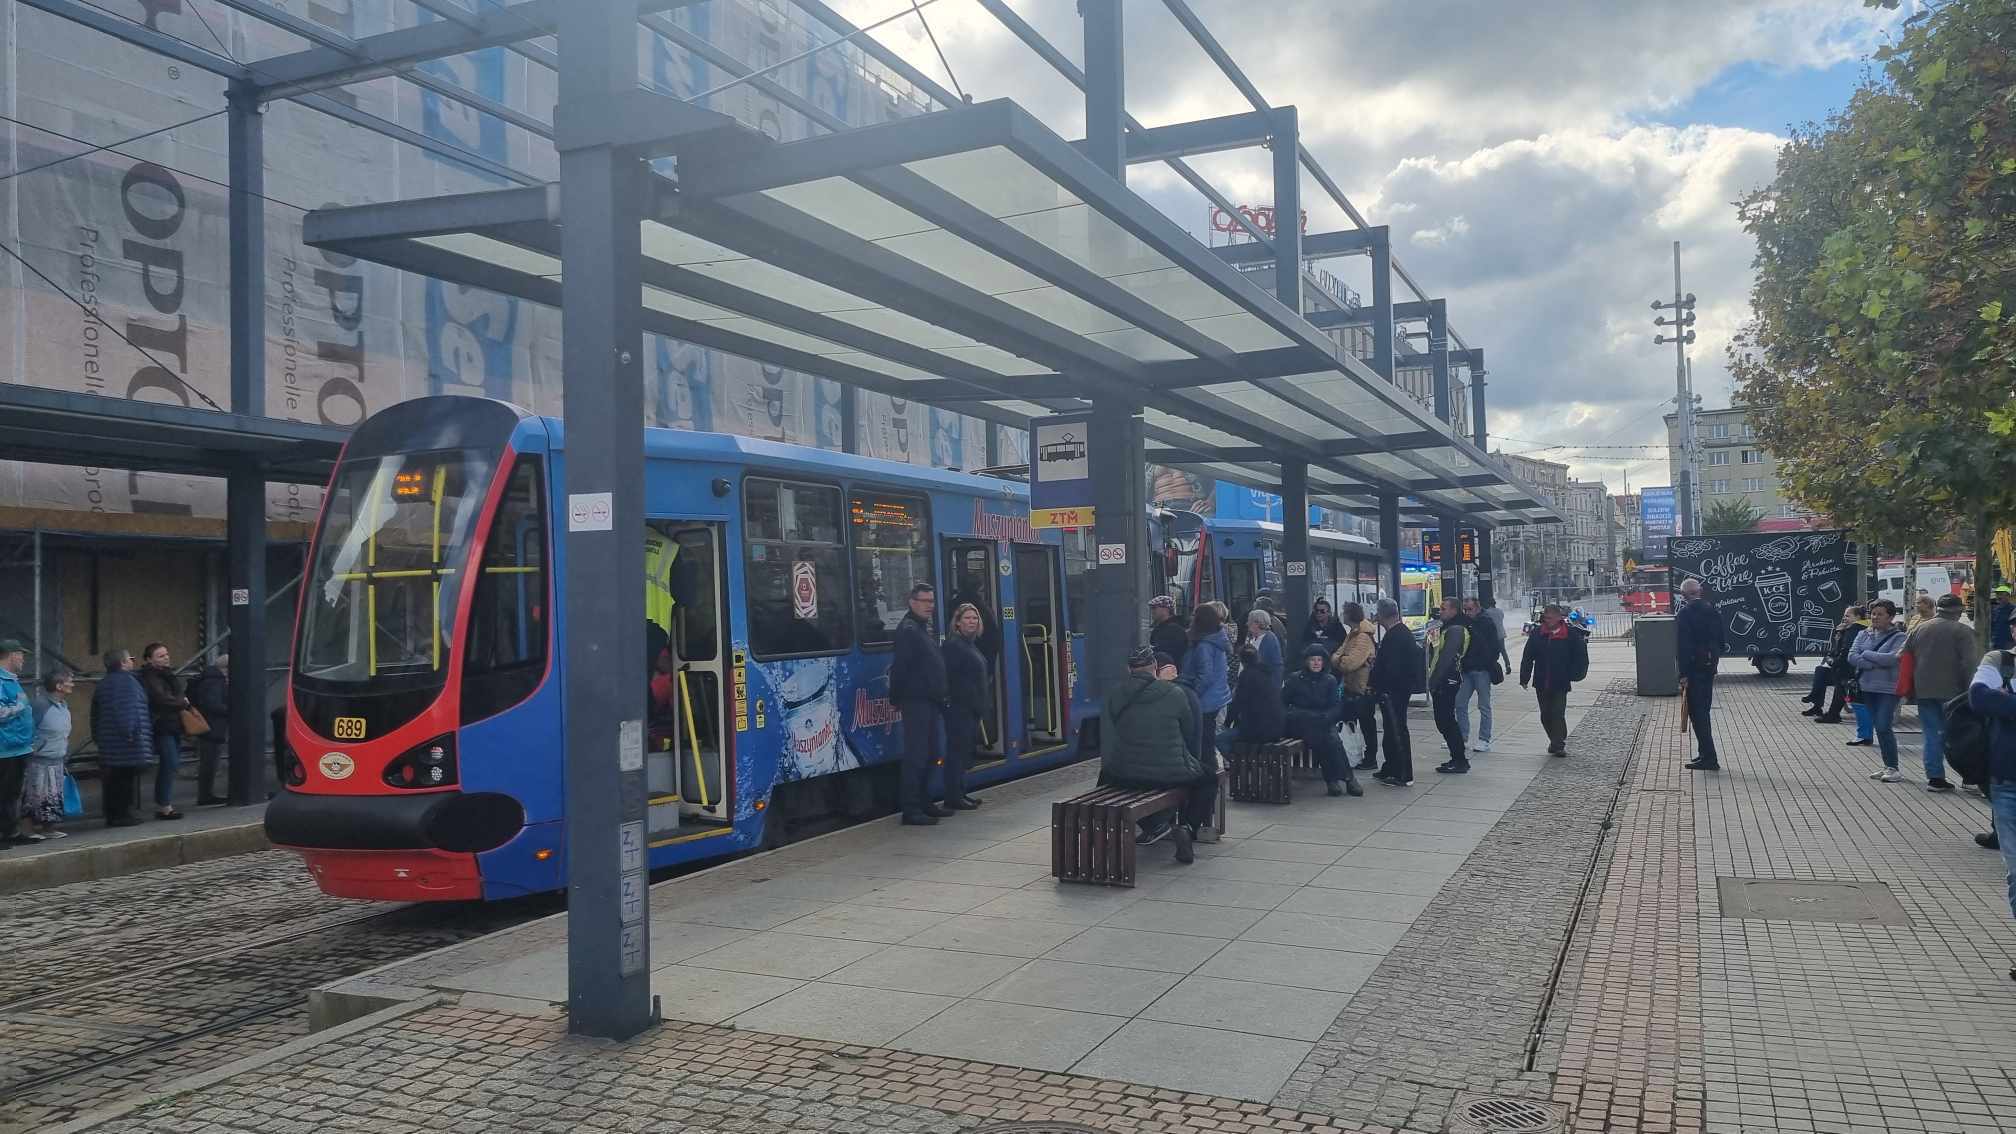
(1497, 674)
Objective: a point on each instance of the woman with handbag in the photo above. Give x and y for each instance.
(171, 714)
(1836, 670)
(43, 792)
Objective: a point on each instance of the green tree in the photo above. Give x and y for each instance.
(1734, 515)
(1878, 367)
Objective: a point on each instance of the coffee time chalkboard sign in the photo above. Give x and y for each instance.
(1780, 593)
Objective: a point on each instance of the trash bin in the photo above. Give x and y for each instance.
(1655, 638)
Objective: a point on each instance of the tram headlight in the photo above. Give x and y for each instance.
(428, 765)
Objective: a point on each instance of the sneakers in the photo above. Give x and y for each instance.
(1939, 784)
(1185, 852)
(1861, 743)
(1481, 746)
(1699, 765)
(1974, 789)
(1351, 788)
(1557, 750)
(1827, 718)
(1889, 776)
(1988, 841)
(1454, 768)
(1812, 712)
(1334, 788)
(1157, 829)
(1368, 764)
(1391, 780)
(1207, 834)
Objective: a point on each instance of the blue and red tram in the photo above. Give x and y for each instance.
(424, 719)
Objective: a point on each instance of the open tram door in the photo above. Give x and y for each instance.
(970, 577)
(1040, 637)
(688, 771)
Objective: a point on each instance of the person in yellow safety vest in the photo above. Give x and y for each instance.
(660, 551)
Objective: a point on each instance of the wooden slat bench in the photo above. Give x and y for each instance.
(1261, 772)
(1092, 835)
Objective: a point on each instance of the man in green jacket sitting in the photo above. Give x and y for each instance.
(1148, 739)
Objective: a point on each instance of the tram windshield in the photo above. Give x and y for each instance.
(380, 601)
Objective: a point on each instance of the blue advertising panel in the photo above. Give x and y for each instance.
(1656, 510)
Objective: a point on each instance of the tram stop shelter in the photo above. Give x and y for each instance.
(969, 255)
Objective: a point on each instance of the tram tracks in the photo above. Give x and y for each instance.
(80, 1045)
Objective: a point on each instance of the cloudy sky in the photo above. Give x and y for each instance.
(1535, 161)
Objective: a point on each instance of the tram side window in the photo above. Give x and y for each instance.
(507, 620)
(892, 553)
(796, 568)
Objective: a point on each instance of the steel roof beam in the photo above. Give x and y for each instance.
(140, 35)
(1189, 139)
(1315, 246)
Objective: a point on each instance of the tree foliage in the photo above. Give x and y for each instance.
(1735, 514)
(1878, 369)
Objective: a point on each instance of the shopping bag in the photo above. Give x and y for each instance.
(73, 799)
(1354, 744)
(193, 723)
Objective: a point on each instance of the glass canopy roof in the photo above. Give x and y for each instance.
(972, 258)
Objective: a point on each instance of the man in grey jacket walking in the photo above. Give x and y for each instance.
(1942, 660)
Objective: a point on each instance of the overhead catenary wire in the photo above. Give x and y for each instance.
(916, 6)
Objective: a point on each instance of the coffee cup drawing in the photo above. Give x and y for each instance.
(1775, 589)
(1830, 591)
(1741, 624)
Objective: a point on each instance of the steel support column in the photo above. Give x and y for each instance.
(1389, 538)
(1295, 594)
(1451, 558)
(601, 195)
(1382, 302)
(1105, 87)
(1118, 456)
(1287, 210)
(1438, 357)
(247, 730)
(1480, 435)
(850, 419)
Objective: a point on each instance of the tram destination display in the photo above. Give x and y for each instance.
(1780, 593)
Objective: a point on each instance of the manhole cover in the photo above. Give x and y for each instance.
(1038, 1128)
(1505, 1116)
(1782, 899)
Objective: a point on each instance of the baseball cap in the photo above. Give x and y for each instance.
(11, 646)
(2001, 588)
(1162, 601)
(1141, 658)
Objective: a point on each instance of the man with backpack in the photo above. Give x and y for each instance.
(1992, 696)
(1556, 657)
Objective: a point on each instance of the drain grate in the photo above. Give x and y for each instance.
(1497, 1115)
(1038, 1128)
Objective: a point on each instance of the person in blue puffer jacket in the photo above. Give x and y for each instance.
(123, 730)
(1205, 669)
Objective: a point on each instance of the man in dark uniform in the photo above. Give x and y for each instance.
(1399, 670)
(1700, 644)
(919, 690)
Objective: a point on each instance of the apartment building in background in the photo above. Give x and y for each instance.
(1630, 524)
(1526, 559)
(1734, 464)
(1592, 533)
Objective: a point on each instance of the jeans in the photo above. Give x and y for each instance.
(2002, 797)
(920, 741)
(1554, 717)
(1863, 725)
(962, 737)
(1932, 717)
(1882, 715)
(168, 747)
(1476, 681)
(1399, 745)
(1444, 697)
(1700, 705)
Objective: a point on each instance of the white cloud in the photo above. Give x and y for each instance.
(1505, 144)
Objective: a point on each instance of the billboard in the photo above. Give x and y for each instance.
(1656, 511)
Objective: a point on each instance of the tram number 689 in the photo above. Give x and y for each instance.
(349, 728)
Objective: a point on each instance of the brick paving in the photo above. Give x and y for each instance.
(1451, 1011)
(1665, 1015)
